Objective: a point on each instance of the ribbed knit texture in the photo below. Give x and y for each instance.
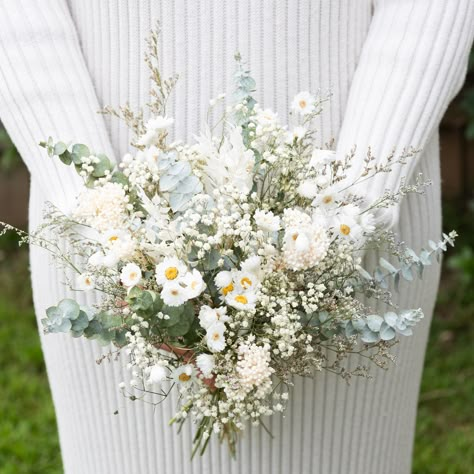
(392, 67)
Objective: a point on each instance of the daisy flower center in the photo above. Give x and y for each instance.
(113, 238)
(303, 103)
(175, 292)
(327, 199)
(241, 299)
(246, 282)
(216, 336)
(345, 229)
(294, 236)
(227, 289)
(133, 275)
(171, 273)
(184, 377)
(87, 281)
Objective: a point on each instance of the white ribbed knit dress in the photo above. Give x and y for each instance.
(392, 65)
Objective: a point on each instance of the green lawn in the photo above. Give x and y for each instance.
(28, 438)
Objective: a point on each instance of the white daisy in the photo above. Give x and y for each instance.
(215, 337)
(303, 103)
(347, 228)
(205, 363)
(85, 282)
(173, 294)
(241, 300)
(246, 281)
(120, 246)
(209, 316)
(267, 221)
(298, 133)
(224, 281)
(157, 373)
(194, 283)
(170, 269)
(130, 275)
(184, 375)
(327, 199)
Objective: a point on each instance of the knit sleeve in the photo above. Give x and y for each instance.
(412, 64)
(45, 89)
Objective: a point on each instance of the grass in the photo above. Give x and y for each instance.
(445, 425)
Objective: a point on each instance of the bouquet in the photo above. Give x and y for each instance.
(230, 265)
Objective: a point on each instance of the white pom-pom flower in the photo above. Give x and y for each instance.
(209, 316)
(157, 373)
(205, 363)
(267, 221)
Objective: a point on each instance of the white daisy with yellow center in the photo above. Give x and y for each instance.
(130, 275)
(174, 294)
(184, 374)
(215, 337)
(242, 300)
(170, 269)
(194, 283)
(85, 282)
(303, 103)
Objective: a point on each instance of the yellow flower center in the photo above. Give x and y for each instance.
(246, 282)
(184, 377)
(345, 229)
(216, 336)
(227, 289)
(175, 292)
(194, 284)
(133, 275)
(171, 273)
(294, 236)
(241, 299)
(113, 238)
(303, 103)
(327, 199)
(88, 281)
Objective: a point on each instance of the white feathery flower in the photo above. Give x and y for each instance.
(367, 222)
(174, 294)
(130, 275)
(194, 283)
(85, 282)
(303, 103)
(242, 300)
(209, 316)
(96, 259)
(205, 363)
(298, 133)
(215, 337)
(252, 264)
(184, 375)
(103, 207)
(308, 189)
(170, 269)
(157, 373)
(267, 221)
(223, 280)
(152, 156)
(153, 128)
(321, 158)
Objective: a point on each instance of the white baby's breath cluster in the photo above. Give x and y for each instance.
(231, 264)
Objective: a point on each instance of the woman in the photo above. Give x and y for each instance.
(392, 66)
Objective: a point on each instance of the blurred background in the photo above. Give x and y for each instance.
(445, 424)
